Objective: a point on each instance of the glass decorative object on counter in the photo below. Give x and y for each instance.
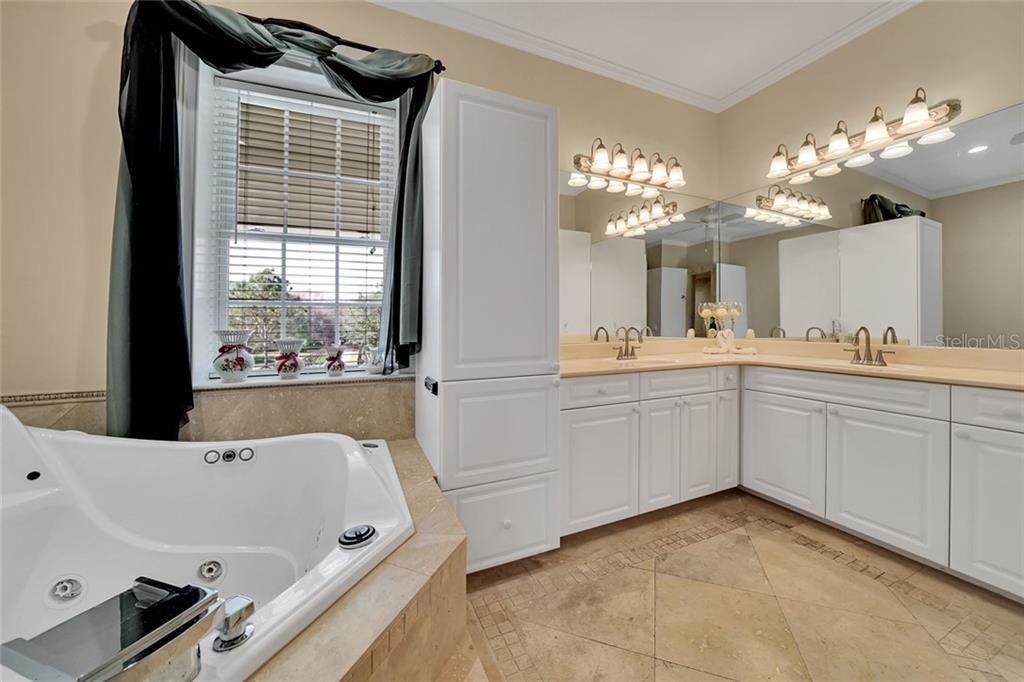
(335, 363)
(289, 364)
(706, 312)
(234, 356)
(374, 361)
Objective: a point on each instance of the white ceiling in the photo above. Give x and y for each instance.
(940, 170)
(708, 54)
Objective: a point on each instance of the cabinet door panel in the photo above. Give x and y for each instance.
(599, 453)
(783, 449)
(987, 515)
(698, 467)
(888, 477)
(728, 441)
(660, 449)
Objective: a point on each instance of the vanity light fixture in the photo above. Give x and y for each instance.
(897, 151)
(763, 216)
(616, 186)
(937, 136)
(645, 218)
(639, 174)
(917, 122)
(860, 160)
(785, 203)
(577, 179)
(839, 142)
(610, 227)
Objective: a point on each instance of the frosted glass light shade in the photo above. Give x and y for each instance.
(801, 179)
(936, 136)
(659, 173)
(641, 170)
(601, 162)
(633, 190)
(860, 160)
(616, 186)
(808, 154)
(897, 151)
(677, 218)
(675, 176)
(610, 228)
(650, 193)
(620, 164)
(577, 179)
(915, 116)
(779, 165)
(831, 169)
(877, 130)
(839, 143)
(597, 183)
(779, 202)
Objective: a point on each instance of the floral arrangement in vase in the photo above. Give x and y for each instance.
(289, 364)
(234, 357)
(335, 363)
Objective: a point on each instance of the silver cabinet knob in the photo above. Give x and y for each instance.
(962, 433)
(556, 382)
(833, 410)
(506, 524)
(636, 409)
(728, 378)
(601, 390)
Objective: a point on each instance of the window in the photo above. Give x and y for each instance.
(299, 193)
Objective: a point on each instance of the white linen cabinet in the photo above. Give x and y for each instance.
(487, 374)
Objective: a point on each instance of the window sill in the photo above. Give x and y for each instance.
(273, 381)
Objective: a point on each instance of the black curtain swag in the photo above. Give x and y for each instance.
(149, 381)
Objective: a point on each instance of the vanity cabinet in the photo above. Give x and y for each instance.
(987, 505)
(727, 439)
(599, 448)
(783, 449)
(661, 443)
(698, 461)
(888, 478)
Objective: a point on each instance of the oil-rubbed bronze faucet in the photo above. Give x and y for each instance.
(782, 332)
(628, 352)
(597, 334)
(889, 331)
(807, 334)
(857, 359)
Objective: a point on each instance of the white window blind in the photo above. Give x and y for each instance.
(301, 194)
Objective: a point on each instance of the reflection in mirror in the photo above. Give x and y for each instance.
(653, 279)
(939, 257)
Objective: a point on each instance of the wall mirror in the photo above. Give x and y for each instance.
(952, 275)
(654, 278)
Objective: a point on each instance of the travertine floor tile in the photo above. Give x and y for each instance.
(888, 562)
(616, 610)
(840, 645)
(724, 631)
(558, 656)
(980, 602)
(665, 671)
(936, 621)
(796, 572)
(728, 559)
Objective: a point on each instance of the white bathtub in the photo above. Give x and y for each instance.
(104, 511)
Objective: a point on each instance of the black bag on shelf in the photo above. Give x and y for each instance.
(877, 208)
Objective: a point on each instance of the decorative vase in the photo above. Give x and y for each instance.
(289, 364)
(335, 364)
(234, 357)
(374, 362)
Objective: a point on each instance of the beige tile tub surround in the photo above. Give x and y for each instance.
(990, 368)
(376, 408)
(731, 587)
(407, 618)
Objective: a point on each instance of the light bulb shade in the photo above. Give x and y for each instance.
(658, 209)
(808, 154)
(839, 143)
(801, 179)
(620, 224)
(663, 222)
(760, 217)
(650, 193)
(831, 169)
(659, 171)
(597, 183)
(792, 203)
(677, 218)
(641, 169)
(897, 151)
(651, 227)
(860, 160)
(616, 186)
(633, 190)
(825, 213)
(915, 116)
(936, 136)
(577, 179)
(620, 162)
(645, 214)
(600, 162)
(610, 228)
(632, 220)
(779, 165)
(877, 130)
(779, 201)
(675, 176)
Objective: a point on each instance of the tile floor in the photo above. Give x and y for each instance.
(732, 587)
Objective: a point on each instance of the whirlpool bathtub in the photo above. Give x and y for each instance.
(83, 516)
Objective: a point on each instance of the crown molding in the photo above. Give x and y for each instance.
(450, 15)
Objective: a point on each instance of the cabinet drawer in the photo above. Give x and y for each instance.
(989, 407)
(494, 429)
(728, 378)
(676, 382)
(602, 390)
(508, 520)
(888, 395)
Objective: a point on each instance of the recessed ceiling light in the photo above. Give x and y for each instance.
(977, 150)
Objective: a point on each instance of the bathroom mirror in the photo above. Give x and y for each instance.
(651, 278)
(953, 277)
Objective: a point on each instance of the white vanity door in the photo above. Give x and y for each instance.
(599, 454)
(728, 440)
(888, 477)
(698, 467)
(987, 515)
(783, 451)
(660, 449)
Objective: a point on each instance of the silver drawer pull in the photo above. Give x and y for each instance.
(962, 433)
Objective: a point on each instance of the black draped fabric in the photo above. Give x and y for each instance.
(149, 381)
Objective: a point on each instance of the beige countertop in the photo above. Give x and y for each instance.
(356, 636)
(909, 363)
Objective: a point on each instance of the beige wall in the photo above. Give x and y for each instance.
(970, 50)
(983, 259)
(60, 147)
